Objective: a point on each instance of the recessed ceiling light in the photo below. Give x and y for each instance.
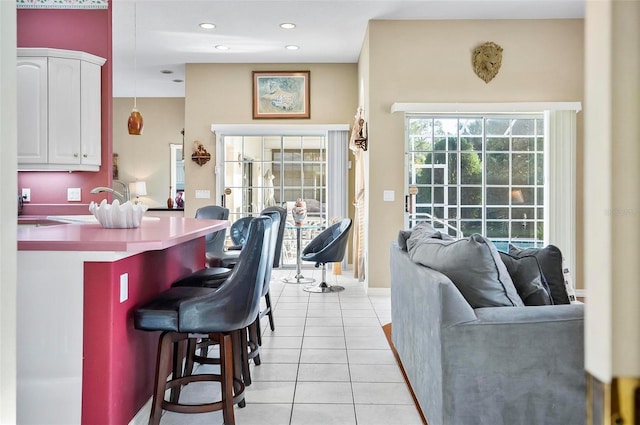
(221, 47)
(178, 80)
(166, 71)
(207, 25)
(292, 47)
(287, 26)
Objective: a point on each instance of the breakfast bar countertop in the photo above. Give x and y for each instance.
(84, 233)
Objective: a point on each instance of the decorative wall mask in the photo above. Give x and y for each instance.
(487, 59)
(200, 154)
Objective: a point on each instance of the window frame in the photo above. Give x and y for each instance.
(560, 168)
(478, 137)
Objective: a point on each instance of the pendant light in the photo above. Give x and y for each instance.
(135, 123)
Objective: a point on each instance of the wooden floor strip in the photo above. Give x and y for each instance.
(387, 332)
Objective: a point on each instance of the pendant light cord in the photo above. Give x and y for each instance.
(135, 55)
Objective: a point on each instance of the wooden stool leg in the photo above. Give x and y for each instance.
(244, 346)
(178, 355)
(267, 298)
(163, 367)
(259, 339)
(254, 332)
(191, 351)
(237, 362)
(227, 372)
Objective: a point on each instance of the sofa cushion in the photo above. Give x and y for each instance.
(421, 230)
(550, 260)
(528, 279)
(473, 265)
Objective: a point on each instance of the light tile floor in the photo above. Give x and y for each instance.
(328, 362)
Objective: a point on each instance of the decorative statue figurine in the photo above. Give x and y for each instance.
(299, 212)
(180, 199)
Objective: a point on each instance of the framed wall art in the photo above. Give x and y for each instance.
(281, 94)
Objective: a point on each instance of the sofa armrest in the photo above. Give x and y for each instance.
(496, 365)
(423, 302)
(533, 314)
(523, 359)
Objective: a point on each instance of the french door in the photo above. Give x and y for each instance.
(255, 171)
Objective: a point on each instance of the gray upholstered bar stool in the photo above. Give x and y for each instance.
(282, 214)
(328, 247)
(187, 313)
(213, 273)
(216, 254)
(254, 329)
(252, 335)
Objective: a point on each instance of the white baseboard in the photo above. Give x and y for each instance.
(581, 293)
(142, 417)
(378, 291)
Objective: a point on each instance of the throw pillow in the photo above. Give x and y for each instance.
(403, 235)
(420, 231)
(550, 260)
(568, 285)
(528, 279)
(473, 265)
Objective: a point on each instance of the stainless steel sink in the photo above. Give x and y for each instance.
(37, 222)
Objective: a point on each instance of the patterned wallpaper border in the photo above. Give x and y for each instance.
(62, 4)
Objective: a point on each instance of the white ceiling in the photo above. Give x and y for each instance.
(329, 31)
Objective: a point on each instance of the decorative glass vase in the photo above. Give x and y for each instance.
(170, 200)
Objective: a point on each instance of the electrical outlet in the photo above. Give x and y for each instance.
(124, 287)
(73, 194)
(26, 194)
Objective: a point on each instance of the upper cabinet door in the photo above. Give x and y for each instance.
(32, 110)
(59, 110)
(64, 111)
(91, 112)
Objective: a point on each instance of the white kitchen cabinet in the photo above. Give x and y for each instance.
(59, 110)
(32, 110)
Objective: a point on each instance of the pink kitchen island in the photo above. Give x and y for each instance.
(80, 359)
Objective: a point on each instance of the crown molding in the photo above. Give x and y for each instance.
(62, 4)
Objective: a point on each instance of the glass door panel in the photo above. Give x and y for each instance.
(262, 171)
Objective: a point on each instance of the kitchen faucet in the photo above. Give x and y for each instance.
(123, 197)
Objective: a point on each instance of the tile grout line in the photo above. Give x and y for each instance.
(346, 349)
(295, 386)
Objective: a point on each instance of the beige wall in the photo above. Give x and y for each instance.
(430, 61)
(401, 61)
(612, 201)
(221, 94)
(146, 157)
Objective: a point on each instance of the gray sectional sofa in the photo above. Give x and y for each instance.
(485, 366)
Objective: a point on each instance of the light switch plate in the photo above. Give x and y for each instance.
(389, 195)
(73, 194)
(203, 194)
(124, 287)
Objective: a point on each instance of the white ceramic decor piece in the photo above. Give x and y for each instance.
(118, 216)
(299, 212)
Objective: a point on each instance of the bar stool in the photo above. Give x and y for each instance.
(216, 255)
(251, 335)
(328, 247)
(254, 329)
(276, 259)
(185, 313)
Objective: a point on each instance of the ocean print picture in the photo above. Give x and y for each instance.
(278, 94)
